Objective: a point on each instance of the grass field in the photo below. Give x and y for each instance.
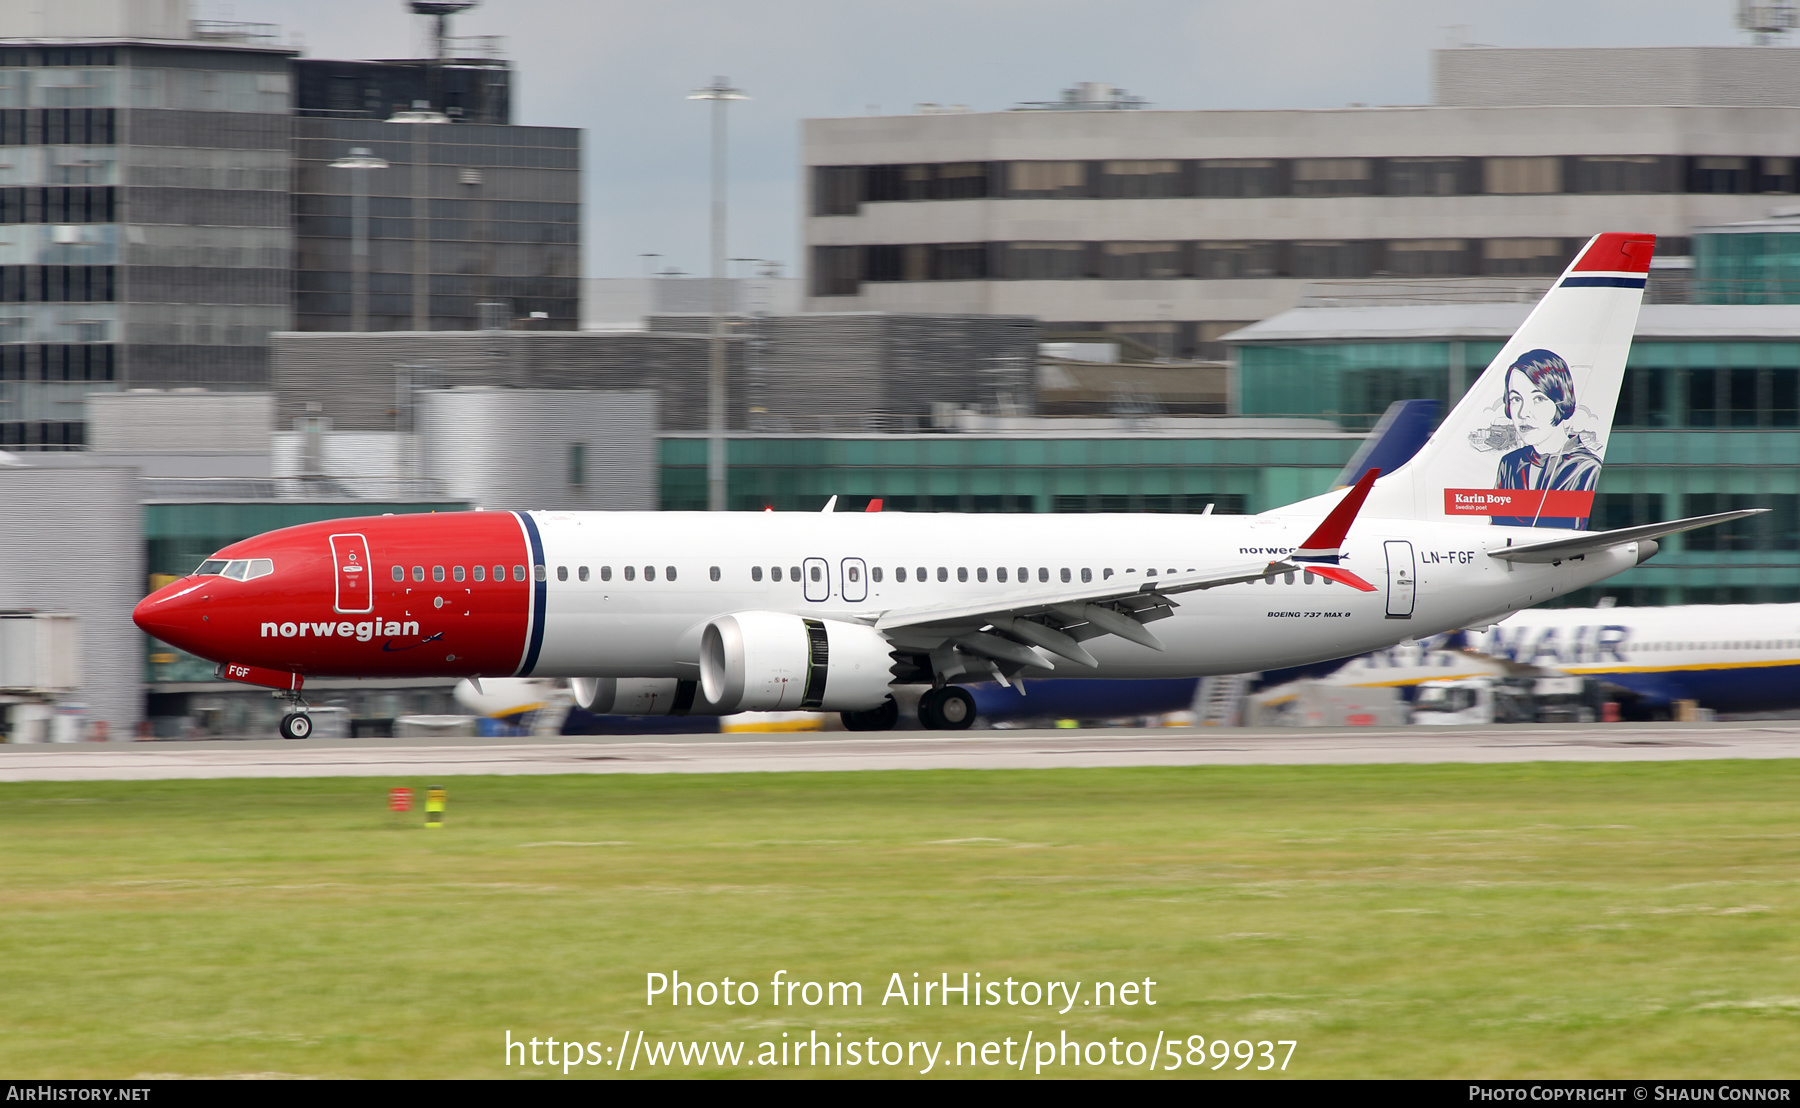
(1431, 921)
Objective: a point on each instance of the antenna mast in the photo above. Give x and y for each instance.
(1766, 19)
(441, 11)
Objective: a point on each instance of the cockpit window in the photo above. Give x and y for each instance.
(248, 569)
(237, 569)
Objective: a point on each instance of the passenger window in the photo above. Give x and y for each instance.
(943, 574)
(668, 573)
(817, 573)
(900, 574)
(713, 573)
(962, 573)
(649, 573)
(1065, 576)
(1307, 577)
(418, 573)
(1000, 575)
(399, 574)
(606, 573)
(774, 573)
(875, 574)
(1105, 575)
(562, 573)
(1151, 572)
(457, 574)
(581, 573)
(631, 573)
(1044, 574)
(1024, 574)
(539, 573)
(794, 573)
(922, 575)
(480, 573)
(854, 574)
(500, 574)
(1086, 576)
(518, 573)
(756, 573)
(1287, 578)
(437, 573)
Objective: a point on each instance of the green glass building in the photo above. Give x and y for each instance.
(1708, 420)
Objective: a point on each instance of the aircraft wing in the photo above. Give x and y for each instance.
(1011, 632)
(1023, 629)
(1034, 601)
(1591, 542)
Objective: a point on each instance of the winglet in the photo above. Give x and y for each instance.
(875, 506)
(1326, 542)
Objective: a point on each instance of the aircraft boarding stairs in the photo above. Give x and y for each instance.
(1219, 701)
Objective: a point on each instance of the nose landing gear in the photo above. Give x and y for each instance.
(296, 724)
(947, 709)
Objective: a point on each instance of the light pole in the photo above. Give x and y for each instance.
(421, 208)
(359, 163)
(720, 93)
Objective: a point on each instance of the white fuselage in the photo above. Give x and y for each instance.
(1429, 576)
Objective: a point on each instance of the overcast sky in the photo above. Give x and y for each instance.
(621, 71)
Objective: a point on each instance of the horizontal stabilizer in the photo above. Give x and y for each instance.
(1556, 550)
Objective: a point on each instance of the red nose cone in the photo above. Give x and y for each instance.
(174, 614)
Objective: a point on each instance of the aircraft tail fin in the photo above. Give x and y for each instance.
(1524, 446)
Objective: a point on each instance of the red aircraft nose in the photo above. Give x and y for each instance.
(177, 614)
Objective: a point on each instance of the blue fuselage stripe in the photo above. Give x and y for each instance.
(540, 594)
(1603, 283)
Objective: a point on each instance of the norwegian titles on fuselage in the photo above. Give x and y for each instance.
(363, 631)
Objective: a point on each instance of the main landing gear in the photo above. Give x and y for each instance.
(947, 709)
(875, 719)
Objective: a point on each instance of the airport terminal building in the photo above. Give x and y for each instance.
(1176, 227)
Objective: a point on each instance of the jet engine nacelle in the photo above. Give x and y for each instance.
(639, 696)
(779, 662)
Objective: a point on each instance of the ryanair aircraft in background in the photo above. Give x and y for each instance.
(1727, 657)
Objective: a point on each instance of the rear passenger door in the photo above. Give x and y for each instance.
(855, 586)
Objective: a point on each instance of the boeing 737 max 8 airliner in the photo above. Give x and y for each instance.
(721, 613)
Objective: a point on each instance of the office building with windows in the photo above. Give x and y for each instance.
(169, 201)
(1175, 227)
(144, 185)
(463, 214)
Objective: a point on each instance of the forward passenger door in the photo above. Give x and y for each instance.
(816, 575)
